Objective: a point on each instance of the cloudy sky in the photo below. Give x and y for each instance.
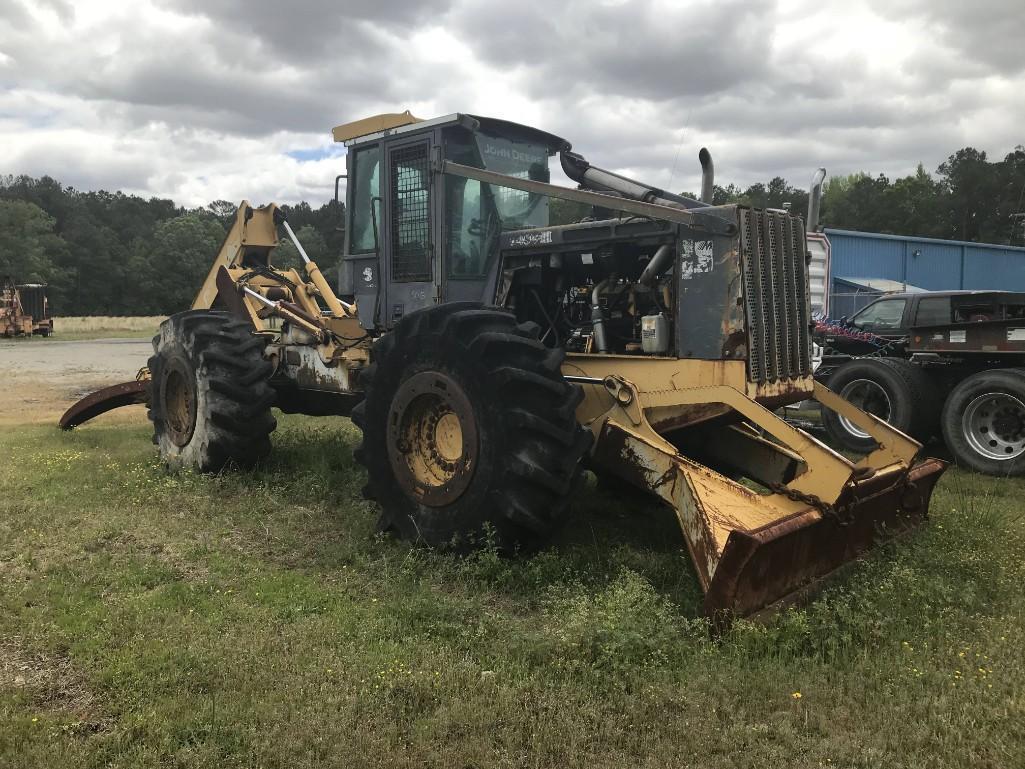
(223, 99)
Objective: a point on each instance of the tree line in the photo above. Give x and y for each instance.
(108, 253)
(968, 198)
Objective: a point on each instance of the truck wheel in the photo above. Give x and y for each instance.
(469, 430)
(892, 389)
(984, 422)
(209, 396)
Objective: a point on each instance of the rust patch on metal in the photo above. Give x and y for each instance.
(102, 401)
(759, 568)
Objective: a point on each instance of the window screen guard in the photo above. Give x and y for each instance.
(411, 220)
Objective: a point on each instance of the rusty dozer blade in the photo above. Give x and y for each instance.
(815, 510)
(764, 566)
(107, 399)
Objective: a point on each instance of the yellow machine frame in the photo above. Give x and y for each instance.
(803, 510)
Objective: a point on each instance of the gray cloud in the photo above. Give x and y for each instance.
(319, 28)
(637, 49)
(202, 100)
(985, 31)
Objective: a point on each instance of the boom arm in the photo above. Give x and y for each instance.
(251, 237)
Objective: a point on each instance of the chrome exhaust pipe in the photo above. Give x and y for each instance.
(815, 200)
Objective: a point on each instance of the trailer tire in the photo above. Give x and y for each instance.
(470, 435)
(893, 389)
(984, 422)
(210, 400)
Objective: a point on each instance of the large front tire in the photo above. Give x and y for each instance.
(469, 430)
(209, 395)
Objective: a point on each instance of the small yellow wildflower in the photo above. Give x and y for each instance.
(796, 695)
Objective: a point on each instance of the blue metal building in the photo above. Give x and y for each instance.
(928, 263)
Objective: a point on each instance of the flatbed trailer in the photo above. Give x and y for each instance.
(963, 379)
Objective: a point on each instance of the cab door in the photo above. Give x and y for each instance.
(408, 263)
(361, 264)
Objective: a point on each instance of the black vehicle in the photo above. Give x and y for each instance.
(932, 363)
(886, 323)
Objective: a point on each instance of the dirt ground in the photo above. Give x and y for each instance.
(39, 379)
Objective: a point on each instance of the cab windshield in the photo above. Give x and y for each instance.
(516, 209)
(477, 213)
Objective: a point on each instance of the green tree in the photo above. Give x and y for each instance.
(286, 255)
(1008, 228)
(224, 211)
(856, 202)
(178, 260)
(29, 248)
(971, 188)
(915, 205)
(723, 195)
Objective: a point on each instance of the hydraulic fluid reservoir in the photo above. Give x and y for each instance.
(655, 334)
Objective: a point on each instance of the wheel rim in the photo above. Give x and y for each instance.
(179, 405)
(870, 398)
(432, 438)
(994, 426)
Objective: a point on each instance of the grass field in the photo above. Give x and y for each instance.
(99, 327)
(255, 620)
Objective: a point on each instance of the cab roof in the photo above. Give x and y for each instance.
(388, 124)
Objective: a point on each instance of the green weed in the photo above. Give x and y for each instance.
(257, 619)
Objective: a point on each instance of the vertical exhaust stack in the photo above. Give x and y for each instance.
(707, 175)
(815, 200)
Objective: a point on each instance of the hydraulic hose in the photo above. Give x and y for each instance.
(601, 341)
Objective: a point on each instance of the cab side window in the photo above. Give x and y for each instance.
(933, 311)
(411, 213)
(365, 175)
(884, 314)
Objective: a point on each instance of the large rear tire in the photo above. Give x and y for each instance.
(469, 430)
(892, 389)
(209, 396)
(984, 422)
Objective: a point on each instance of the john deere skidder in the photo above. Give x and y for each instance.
(489, 358)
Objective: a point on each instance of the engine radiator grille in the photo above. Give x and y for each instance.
(775, 268)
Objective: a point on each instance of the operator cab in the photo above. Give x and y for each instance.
(414, 237)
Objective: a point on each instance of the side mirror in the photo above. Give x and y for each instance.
(337, 180)
(339, 203)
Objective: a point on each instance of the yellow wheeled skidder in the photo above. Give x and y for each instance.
(489, 357)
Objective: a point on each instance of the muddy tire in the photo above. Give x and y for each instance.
(984, 422)
(469, 430)
(209, 396)
(892, 389)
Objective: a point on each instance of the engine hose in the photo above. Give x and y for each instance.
(601, 341)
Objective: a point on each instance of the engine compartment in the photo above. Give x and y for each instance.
(614, 297)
